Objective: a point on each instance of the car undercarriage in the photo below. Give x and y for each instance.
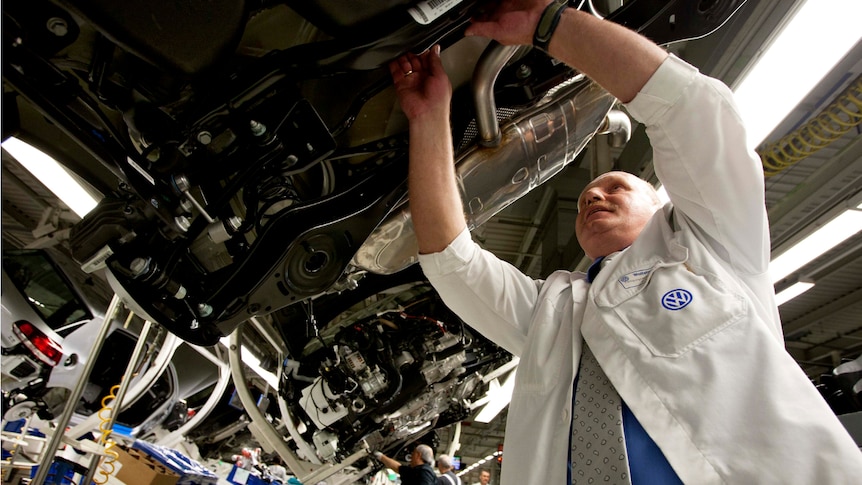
(252, 160)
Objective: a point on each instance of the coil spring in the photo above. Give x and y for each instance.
(844, 114)
(106, 466)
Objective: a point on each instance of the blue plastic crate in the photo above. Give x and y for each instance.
(243, 478)
(61, 472)
(190, 471)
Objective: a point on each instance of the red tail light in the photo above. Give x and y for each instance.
(39, 344)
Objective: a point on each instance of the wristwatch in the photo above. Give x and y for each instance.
(548, 23)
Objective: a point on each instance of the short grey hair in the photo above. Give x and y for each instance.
(444, 462)
(426, 453)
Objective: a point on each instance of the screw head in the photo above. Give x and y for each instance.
(204, 310)
(257, 128)
(183, 223)
(57, 26)
(139, 266)
(205, 138)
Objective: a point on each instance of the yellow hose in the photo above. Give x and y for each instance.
(106, 466)
(843, 115)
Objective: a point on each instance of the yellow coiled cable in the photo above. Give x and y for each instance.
(106, 466)
(844, 114)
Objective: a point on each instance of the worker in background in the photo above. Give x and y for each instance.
(447, 471)
(675, 324)
(484, 478)
(418, 472)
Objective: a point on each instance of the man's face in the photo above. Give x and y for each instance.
(415, 458)
(612, 211)
(484, 478)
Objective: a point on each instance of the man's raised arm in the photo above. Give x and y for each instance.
(425, 93)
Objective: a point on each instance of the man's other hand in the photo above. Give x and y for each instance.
(421, 83)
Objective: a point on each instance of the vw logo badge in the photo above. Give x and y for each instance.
(676, 299)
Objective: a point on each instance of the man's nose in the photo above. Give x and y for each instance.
(592, 195)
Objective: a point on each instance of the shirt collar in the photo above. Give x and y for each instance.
(599, 263)
(594, 269)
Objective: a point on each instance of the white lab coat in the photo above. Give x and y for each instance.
(710, 382)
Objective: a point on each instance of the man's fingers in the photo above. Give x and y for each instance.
(407, 62)
(435, 64)
(395, 69)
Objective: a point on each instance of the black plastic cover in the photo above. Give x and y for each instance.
(184, 37)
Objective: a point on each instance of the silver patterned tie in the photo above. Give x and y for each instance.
(598, 443)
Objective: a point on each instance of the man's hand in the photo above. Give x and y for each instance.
(512, 22)
(421, 83)
(387, 462)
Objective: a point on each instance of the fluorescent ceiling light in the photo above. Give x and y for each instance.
(827, 237)
(792, 292)
(253, 363)
(500, 397)
(52, 175)
(812, 42)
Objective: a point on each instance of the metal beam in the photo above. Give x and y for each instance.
(821, 187)
(811, 319)
(262, 429)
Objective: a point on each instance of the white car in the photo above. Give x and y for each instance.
(48, 326)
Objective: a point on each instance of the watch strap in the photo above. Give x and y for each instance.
(548, 23)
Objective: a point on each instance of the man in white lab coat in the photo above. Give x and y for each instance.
(677, 313)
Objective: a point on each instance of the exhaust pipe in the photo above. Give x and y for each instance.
(532, 149)
(492, 61)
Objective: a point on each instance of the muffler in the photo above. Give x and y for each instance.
(533, 148)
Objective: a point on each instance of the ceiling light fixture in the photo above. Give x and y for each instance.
(792, 292)
(500, 397)
(795, 61)
(253, 362)
(817, 243)
(52, 175)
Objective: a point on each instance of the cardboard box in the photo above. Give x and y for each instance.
(135, 467)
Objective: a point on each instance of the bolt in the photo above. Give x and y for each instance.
(182, 223)
(182, 182)
(139, 266)
(524, 71)
(154, 155)
(205, 138)
(257, 128)
(194, 325)
(57, 26)
(204, 310)
(233, 223)
(181, 293)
